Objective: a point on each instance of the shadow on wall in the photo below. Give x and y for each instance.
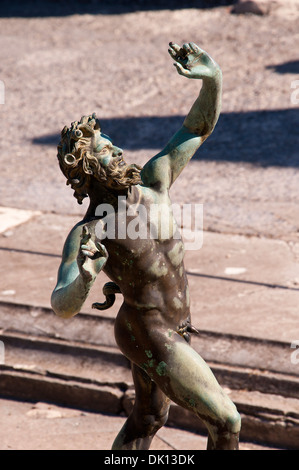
(36, 8)
(264, 138)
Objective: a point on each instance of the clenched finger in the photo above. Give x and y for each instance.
(174, 47)
(194, 47)
(187, 48)
(181, 70)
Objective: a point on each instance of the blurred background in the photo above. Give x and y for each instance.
(60, 60)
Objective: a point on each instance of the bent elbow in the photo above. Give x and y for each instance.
(60, 309)
(64, 313)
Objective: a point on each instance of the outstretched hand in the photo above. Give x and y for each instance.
(193, 62)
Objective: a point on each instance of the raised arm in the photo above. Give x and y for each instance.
(191, 62)
(82, 260)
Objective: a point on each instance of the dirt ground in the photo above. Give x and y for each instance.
(58, 63)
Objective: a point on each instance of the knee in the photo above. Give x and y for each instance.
(162, 417)
(153, 422)
(232, 422)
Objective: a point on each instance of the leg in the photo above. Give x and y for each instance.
(149, 414)
(187, 380)
(179, 372)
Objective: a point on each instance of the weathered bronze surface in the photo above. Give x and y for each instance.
(153, 326)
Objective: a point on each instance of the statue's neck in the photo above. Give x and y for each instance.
(100, 194)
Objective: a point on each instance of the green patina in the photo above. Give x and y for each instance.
(161, 368)
(150, 363)
(192, 402)
(177, 303)
(176, 255)
(158, 269)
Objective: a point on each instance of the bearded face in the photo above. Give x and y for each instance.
(120, 175)
(113, 171)
(85, 154)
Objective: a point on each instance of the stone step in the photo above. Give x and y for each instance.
(81, 361)
(68, 373)
(105, 363)
(239, 362)
(98, 378)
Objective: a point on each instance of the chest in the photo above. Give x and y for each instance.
(143, 215)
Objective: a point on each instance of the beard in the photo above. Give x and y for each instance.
(118, 175)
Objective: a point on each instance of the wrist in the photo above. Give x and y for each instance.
(214, 79)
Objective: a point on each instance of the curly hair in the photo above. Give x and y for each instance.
(79, 164)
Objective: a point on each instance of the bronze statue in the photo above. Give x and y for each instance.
(153, 327)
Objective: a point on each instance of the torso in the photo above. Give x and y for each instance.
(149, 270)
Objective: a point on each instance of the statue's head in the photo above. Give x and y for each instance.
(84, 154)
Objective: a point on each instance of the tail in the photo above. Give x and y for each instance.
(109, 290)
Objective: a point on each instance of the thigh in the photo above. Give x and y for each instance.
(182, 374)
(172, 364)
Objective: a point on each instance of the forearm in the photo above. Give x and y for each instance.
(204, 114)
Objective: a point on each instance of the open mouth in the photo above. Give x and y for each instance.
(120, 161)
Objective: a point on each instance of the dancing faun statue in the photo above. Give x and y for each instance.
(153, 326)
